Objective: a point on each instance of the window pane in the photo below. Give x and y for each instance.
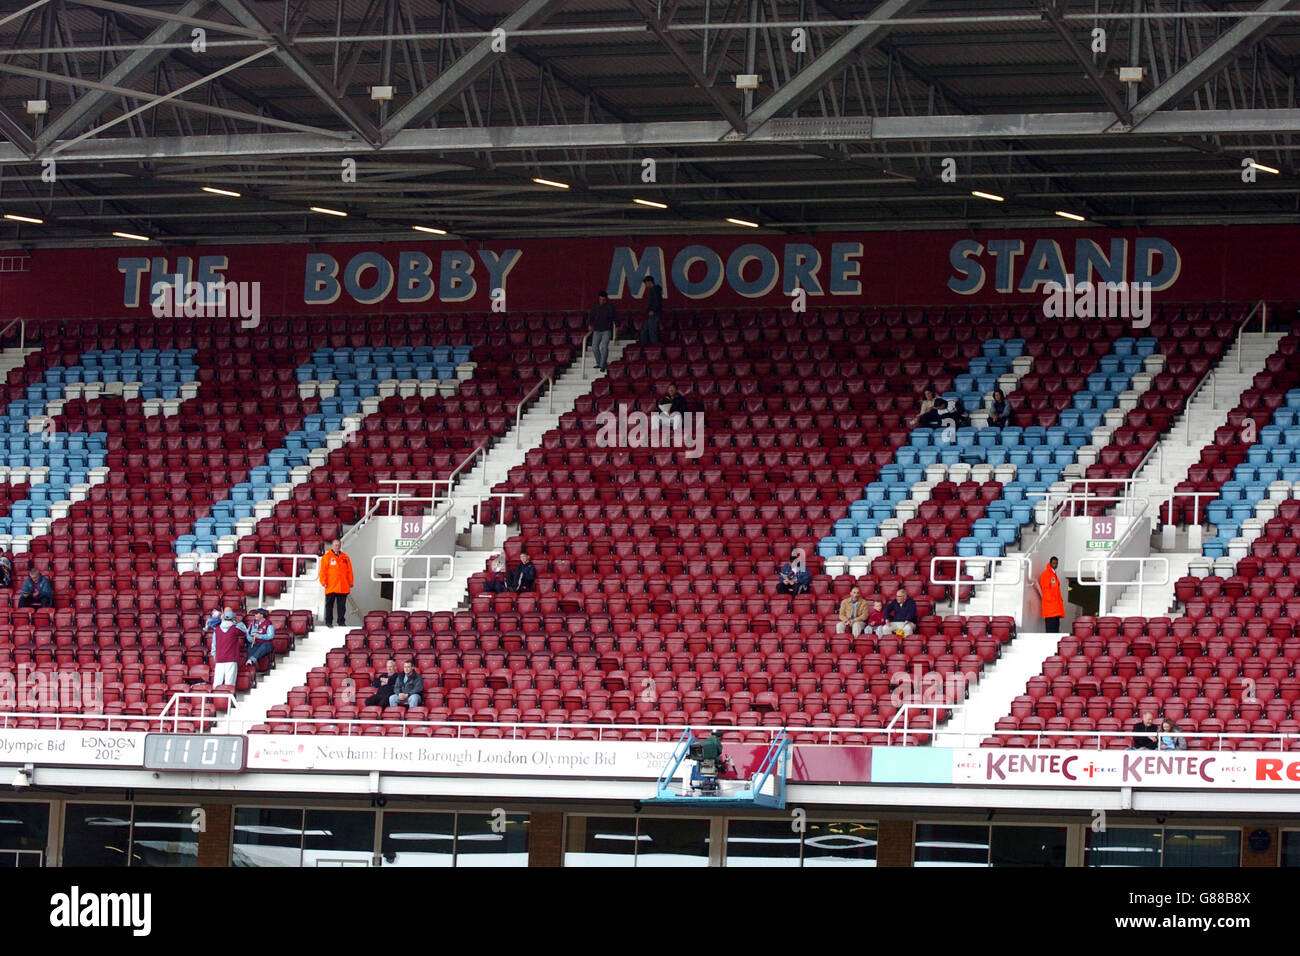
(478, 843)
(1123, 846)
(164, 836)
(24, 833)
(96, 834)
(947, 845)
(762, 843)
(673, 843)
(1027, 846)
(1291, 847)
(839, 844)
(418, 839)
(1186, 847)
(601, 841)
(339, 838)
(267, 837)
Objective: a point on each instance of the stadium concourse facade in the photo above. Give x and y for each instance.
(510, 762)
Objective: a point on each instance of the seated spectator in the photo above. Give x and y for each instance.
(1171, 739)
(261, 634)
(900, 615)
(876, 619)
(383, 685)
(999, 410)
(523, 575)
(853, 613)
(795, 576)
(950, 413)
(37, 591)
(671, 408)
(1144, 732)
(6, 571)
(408, 688)
(496, 568)
(925, 417)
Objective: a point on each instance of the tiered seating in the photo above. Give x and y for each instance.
(1223, 671)
(169, 439)
(655, 569)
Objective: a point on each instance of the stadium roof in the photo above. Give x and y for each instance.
(857, 107)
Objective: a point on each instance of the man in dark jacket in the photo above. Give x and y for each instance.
(408, 688)
(383, 684)
(1147, 725)
(601, 318)
(38, 591)
(900, 613)
(654, 310)
(522, 575)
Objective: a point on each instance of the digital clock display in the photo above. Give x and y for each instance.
(210, 753)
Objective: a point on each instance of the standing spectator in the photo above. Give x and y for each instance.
(601, 318)
(1171, 739)
(261, 634)
(228, 640)
(654, 310)
(383, 685)
(522, 576)
(999, 410)
(1147, 728)
(900, 616)
(795, 576)
(853, 613)
(1048, 587)
(408, 688)
(496, 570)
(37, 591)
(336, 576)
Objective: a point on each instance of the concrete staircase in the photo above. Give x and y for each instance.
(1000, 684)
(1156, 600)
(290, 671)
(1175, 454)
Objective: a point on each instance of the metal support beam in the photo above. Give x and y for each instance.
(659, 29)
(15, 133)
(714, 133)
(87, 108)
(1052, 12)
(465, 70)
(307, 74)
(1210, 60)
(819, 72)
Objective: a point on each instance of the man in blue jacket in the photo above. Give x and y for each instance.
(408, 689)
(900, 615)
(522, 576)
(38, 590)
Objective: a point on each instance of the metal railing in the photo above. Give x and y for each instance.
(519, 409)
(1187, 405)
(174, 704)
(22, 332)
(992, 564)
(906, 707)
(262, 577)
(1168, 504)
(1101, 576)
(398, 576)
(1196, 740)
(1262, 308)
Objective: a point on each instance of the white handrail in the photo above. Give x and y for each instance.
(262, 577)
(519, 409)
(203, 697)
(992, 563)
(1187, 406)
(1262, 307)
(1196, 504)
(1102, 576)
(398, 577)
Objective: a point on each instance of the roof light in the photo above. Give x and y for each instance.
(651, 203)
(1070, 215)
(131, 235)
(221, 192)
(436, 232)
(328, 212)
(550, 182)
(742, 222)
(17, 218)
(992, 196)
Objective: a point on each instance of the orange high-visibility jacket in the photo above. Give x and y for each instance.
(1050, 585)
(336, 573)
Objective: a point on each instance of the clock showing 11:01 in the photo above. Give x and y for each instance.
(205, 753)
